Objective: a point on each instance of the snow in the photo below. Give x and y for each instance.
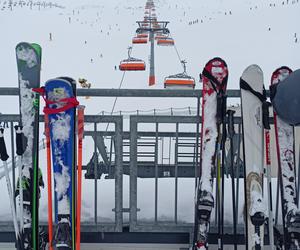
(286, 147)
(27, 121)
(241, 38)
(28, 55)
(256, 239)
(257, 202)
(61, 128)
(61, 133)
(209, 140)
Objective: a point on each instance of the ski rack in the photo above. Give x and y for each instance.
(116, 153)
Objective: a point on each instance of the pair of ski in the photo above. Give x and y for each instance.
(60, 130)
(60, 112)
(255, 118)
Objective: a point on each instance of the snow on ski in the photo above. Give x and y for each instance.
(214, 77)
(59, 95)
(252, 99)
(284, 135)
(29, 66)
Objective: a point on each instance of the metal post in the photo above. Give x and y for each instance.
(13, 164)
(95, 173)
(152, 72)
(176, 173)
(119, 176)
(133, 173)
(170, 147)
(156, 172)
(197, 168)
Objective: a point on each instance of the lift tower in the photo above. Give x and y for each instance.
(152, 27)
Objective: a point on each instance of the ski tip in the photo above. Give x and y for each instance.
(253, 68)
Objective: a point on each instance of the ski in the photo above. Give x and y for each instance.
(214, 77)
(284, 135)
(59, 95)
(29, 67)
(252, 99)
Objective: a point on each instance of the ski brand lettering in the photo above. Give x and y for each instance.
(257, 116)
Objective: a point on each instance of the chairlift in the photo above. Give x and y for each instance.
(166, 41)
(132, 64)
(180, 81)
(145, 25)
(157, 37)
(139, 40)
(142, 35)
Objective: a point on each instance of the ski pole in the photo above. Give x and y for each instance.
(79, 180)
(218, 184)
(4, 156)
(230, 114)
(49, 182)
(237, 165)
(298, 194)
(224, 136)
(20, 151)
(269, 186)
(219, 119)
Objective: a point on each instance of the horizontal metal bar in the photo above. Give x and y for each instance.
(138, 118)
(87, 118)
(165, 119)
(133, 92)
